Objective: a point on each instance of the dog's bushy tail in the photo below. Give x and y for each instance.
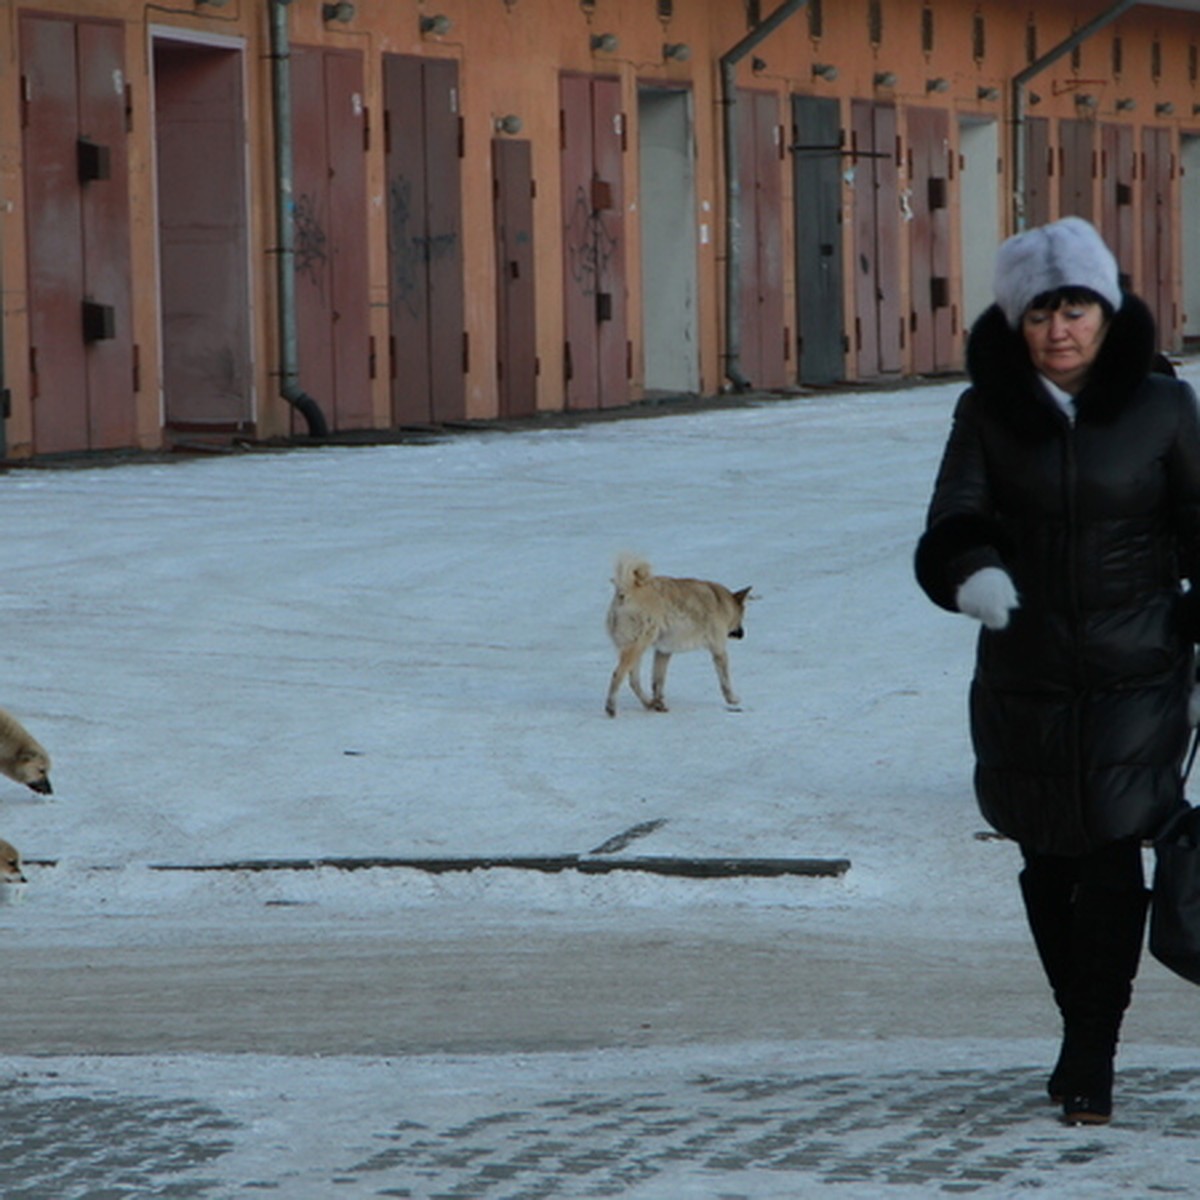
(631, 571)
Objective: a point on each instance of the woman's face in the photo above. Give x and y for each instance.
(1063, 342)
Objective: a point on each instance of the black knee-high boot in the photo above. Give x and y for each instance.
(1048, 901)
(1106, 931)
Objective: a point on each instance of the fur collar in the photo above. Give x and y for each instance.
(1001, 373)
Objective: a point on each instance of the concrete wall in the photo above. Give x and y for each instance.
(511, 54)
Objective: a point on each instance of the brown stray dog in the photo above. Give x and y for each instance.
(671, 615)
(22, 758)
(10, 863)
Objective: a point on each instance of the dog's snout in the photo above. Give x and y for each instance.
(43, 786)
(739, 632)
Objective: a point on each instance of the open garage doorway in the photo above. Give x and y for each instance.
(979, 208)
(668, 213)
(200, 146)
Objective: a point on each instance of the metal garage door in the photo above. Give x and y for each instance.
(878, 309)
(1117, 170)
(330, 189)
(1158, 259)
(765, 338)
(516, 333)
(933, 312)
(817, 160)
(77, 230)
(596, 352)
(423, 129)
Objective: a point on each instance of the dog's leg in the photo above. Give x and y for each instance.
(662, 660)
(610, 703)
(635, 676)
(627, 665)
(721, 661)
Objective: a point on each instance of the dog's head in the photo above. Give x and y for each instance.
(739, 599)
(10, 864)
(32, 768)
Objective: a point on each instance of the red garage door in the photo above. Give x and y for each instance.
(597, 365)
(330, 189)
(77, 231)
(878, 320)
(516, 331)
(426, 304)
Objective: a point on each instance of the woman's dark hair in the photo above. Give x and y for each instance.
(1053, 300)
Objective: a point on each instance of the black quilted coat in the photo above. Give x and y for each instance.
(1079, 706)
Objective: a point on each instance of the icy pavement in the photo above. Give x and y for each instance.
(399, 652)
(853, 1120)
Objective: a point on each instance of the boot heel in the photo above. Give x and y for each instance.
(1090, 1108)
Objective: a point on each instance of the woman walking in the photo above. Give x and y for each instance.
(1065, 516)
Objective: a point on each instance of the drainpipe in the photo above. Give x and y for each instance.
(733, 188)
(285, 263)
(5, 394)
(1019, 83)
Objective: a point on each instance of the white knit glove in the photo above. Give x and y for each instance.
(989, 596)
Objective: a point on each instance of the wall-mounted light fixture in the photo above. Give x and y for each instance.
(885, 78)
(937, 85)
(605, 42)
(676, 51)
(1164, 109)
(1086, 100)
(439, 25)
(342, 11)
(758, 65)
(1126, 104)
(510, 123)
(824, 71)
(1034, 98)
(987, 93)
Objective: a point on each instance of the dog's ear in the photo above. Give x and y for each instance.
(742, 596)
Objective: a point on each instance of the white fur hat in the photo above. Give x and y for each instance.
(1066, 253)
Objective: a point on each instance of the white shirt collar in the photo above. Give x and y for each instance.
(1064, 400)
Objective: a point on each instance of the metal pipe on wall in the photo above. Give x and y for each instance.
(285, 232)
(5, 394)
(733, 188)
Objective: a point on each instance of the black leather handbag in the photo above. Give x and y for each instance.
(1175, 902)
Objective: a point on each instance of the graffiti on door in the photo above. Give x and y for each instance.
(414, 247)
(590, 246)
(310, 241)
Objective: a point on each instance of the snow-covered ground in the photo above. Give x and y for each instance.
(400, 651)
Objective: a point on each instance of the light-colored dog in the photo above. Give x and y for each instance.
(10, 863)
(671, 615)
(21, 757)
